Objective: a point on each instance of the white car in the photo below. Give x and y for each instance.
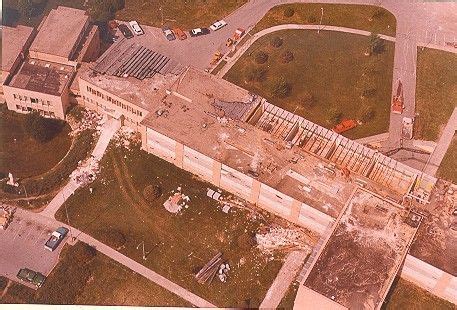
(218, 25)
(136, 28)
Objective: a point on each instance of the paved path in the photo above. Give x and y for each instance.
(443, 144)
(231, 61)
(108, 130)
(284, 279)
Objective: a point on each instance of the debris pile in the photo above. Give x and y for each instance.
(90, 120)
(124, 137)
(215, 266)
(278, 238)
(86, 172)
(6, 216)
(176, 202)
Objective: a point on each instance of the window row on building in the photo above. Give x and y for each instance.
(30, 109)
(32, 100)
(114, 101)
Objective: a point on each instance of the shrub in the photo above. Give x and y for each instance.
(368, 93)
(334, 116)
(257, 74)
(281, 88)
(152, 192)
(261, 57)
(276, 41)
(377, 44)
(307, 100)
(112, 237)
(289, 12)
(42, 129)
(84, 254)
(3, 282)
(287, 56)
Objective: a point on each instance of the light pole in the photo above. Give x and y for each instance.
(320, 22)
(144, 253)
(68, 218)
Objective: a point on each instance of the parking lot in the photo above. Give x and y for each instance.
(22, 245)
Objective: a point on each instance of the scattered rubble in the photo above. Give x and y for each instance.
(6, 216)
(86, 172)
(176, 202)
(125, 136)
(279, 238)
(89, 120)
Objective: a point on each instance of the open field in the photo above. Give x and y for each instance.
(11, 15)
(80, 278)
(407, 296)
(436, 91)
(364, 17)
(448, 167)
(178, 13)
(336, 78)
(22, 155)
(177, 245)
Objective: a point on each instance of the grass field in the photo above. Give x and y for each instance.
(22, 155)
(84, 280)
(12, 17)
(332, 68)
(178, 244)
(364, 17)
(179, 13)
(407, 296)
(448, 167)
(436, 91)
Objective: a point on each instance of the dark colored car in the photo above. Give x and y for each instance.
(31, 276)
(56, 238)
(199, 32)
(168, 33)
(125, 31)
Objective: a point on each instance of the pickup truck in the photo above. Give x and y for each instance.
(56, 238)
(31, 276)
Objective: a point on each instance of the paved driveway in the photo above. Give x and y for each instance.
(22, 245)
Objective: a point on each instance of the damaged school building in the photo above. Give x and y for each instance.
(232, 138)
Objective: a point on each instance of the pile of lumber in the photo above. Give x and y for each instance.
(209, 271)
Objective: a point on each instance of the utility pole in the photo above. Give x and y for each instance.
(144, 253)
(320, 22)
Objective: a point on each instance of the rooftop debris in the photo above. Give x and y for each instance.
(279, 238)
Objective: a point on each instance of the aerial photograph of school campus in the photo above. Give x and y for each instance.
(272, 154)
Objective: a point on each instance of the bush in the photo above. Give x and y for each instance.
(276, 41)
(261, 57)
(377, 44)
(367, 113)
(334, 116)
(289, 12)
(152, 192)
(287, 56)
(112, 237)
(307, 100)
(84, 254)
(42, 129)
(281, 88)
(368, 93)
(257, 74)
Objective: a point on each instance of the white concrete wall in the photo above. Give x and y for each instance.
(198, 163)
(236, 182)
(160, 145)
(275, 201)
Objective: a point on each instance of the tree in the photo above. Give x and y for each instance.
(281, 88)
(289, 12)
(334, 116)
(152, 192)
(276, 41)
(257, 74)
(25, 7)
(376, 44)
(287, 56)
(261, 57)
(367, 113)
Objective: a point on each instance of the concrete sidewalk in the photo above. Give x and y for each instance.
(108, 130)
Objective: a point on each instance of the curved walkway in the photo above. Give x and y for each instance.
(231, 61)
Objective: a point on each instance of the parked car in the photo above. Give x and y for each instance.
(198, 32)
(168, 33)
(136, 28)
(31, 276)
(179, 33)
(218, 25)
(56, 238)
(125, 31)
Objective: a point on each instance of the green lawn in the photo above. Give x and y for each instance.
(436, 91)
(448, 167)
(85, 280)
(22, 155)
(364, 17)
(11, 16)
(178, 13)
(407, 296)
(181, 244)
(332, 68)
